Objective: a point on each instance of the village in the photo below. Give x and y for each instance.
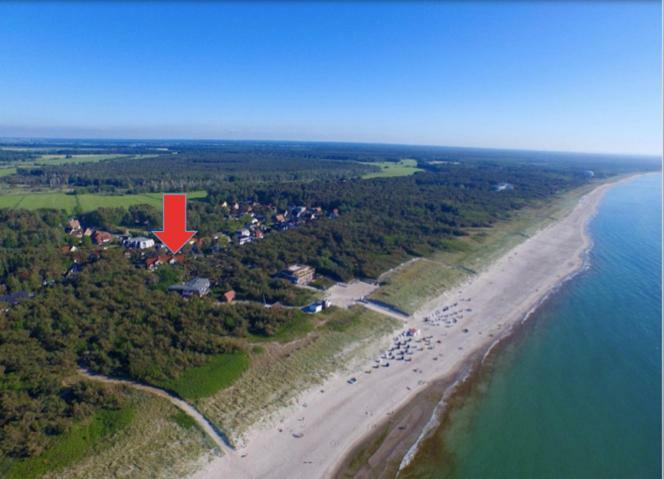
(246, 222)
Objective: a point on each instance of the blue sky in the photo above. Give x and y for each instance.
(535, 75)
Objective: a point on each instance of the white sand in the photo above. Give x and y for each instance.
(337, 419)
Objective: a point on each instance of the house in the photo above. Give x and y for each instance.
(178, 258)
(87, 232)
(244, 240)
(299, 211)
(16, 297)
(299, 274)
(194, 287)
(504, 187)
(258, 234)
(138, 242)
(102, 237)
(313, 308)
(229, 296)
(280, 218)
(152, 262)
(73, 227)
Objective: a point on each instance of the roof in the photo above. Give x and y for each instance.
(139, 238)
(196, 284)
(15, 297)
(297, 267)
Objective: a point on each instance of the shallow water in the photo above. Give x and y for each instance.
(578, 393)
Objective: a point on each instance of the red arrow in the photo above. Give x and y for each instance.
(174, 233)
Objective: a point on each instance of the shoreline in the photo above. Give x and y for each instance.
(453, 395)
(341, 422)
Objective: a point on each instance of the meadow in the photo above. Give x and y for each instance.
(83, 202)
(390, 169)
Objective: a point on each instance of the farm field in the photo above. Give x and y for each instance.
(389, 169)
(86, 202)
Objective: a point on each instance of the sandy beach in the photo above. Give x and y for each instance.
(459, 327)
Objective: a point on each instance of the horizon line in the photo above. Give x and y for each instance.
(9, 139)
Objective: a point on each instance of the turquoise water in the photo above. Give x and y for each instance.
(578, 393)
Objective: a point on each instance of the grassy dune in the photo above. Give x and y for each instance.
(73, 445)
(202, 381)
(408, 287)
(281, 371)
(159, 442)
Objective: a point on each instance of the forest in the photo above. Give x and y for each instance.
(101, 309)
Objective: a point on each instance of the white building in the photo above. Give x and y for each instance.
(139, 242)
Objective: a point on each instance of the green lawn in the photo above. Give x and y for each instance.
(388, 169)
(7, 171)
(203, 381)
(87, 202)
(79, 441)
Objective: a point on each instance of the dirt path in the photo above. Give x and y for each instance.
(217, 436)
(385, 309)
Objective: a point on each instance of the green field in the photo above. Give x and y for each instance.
(388, 169)
(86, 202)
(56, 160)
(72, 446)
(48, 159)
(203, 381)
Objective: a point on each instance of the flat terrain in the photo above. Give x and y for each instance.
(405, 167)
(86, 202)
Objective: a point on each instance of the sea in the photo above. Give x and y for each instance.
(577, 392)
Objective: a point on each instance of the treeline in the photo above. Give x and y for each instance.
(111, 318)
(186, 171)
